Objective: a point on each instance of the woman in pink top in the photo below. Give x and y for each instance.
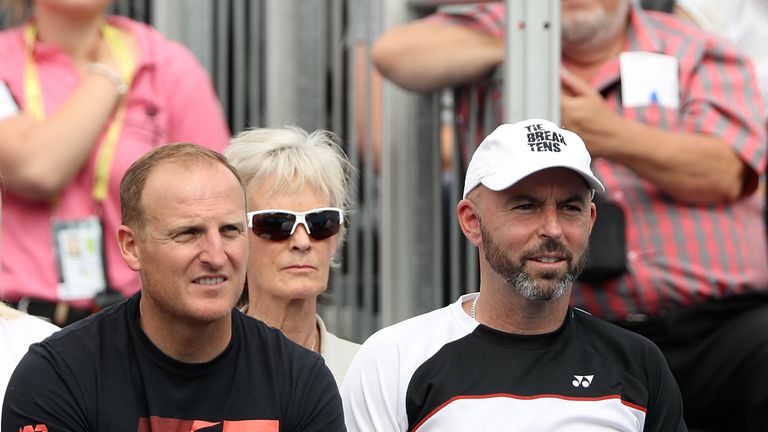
(83, 95)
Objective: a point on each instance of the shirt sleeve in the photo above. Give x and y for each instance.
(665, 410)
(723, 100)
(370, 391)
(487, 18)
(43, 395)
(195, 114)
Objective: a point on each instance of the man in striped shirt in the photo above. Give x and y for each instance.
(673, 119)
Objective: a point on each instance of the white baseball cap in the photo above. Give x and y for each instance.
(514, 151)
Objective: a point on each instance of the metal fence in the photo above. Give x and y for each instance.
(306, 63)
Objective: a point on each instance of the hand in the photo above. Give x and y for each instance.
(585, 112)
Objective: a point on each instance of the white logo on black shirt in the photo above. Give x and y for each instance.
(582, 380)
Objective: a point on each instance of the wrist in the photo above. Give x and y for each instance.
(110, 74)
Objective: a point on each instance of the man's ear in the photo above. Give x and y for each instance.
(469, 221)
(127, 239)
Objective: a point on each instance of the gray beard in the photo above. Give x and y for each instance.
(516, 277)
(585, 29)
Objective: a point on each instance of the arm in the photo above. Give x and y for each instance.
(691, 168)
(39, 394)
(427, 55)
(39, 158)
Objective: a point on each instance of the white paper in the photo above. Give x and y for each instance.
(649, 79)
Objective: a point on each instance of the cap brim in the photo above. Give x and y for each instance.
(502, 180)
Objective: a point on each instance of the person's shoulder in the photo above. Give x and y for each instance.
(605, 332)
(140, 30)
(12, 44)
(670, 25)
(30, 327)
(271, 341)
(334, 342)
(409, 343)
(338, 353)
(76, 354)
(340, 344)
(256, 327)
(154, 46)
(414, 330)
(285, 361)
(86, 336)
(18, 332)
(12, 35)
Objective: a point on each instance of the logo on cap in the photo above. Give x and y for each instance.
(543, 140)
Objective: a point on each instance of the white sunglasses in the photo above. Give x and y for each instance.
(279, 224)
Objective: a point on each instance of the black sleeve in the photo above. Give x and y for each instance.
(42, 391)
(319, 404)
(665, 412)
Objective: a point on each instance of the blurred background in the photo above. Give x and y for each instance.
(306, 63)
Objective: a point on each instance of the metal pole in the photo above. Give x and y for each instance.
(532, 60)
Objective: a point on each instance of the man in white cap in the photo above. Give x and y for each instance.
(516, 356)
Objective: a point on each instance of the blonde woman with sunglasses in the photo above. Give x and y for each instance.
(297, 187)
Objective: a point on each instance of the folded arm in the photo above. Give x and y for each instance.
(693, 168)
(39, 158)
(427, 55)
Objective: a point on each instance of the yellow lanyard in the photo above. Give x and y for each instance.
(33, 94)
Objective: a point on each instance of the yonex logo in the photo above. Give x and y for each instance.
(582, 380)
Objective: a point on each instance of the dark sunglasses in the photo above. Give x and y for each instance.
(278, 225)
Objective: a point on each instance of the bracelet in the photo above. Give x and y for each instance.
(111, 75)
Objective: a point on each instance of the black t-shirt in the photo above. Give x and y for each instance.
(104, 374)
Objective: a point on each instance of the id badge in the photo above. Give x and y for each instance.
(79, 249)
(649, 79)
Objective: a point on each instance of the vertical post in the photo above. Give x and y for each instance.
(532, 60)
(280, 53)
(297, 63)
(410, 208)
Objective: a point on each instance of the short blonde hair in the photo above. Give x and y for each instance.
(290, 157)
(135, 178)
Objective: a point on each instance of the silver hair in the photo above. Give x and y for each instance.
(291, 158)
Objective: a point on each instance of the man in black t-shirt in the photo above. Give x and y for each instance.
(177, 355)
